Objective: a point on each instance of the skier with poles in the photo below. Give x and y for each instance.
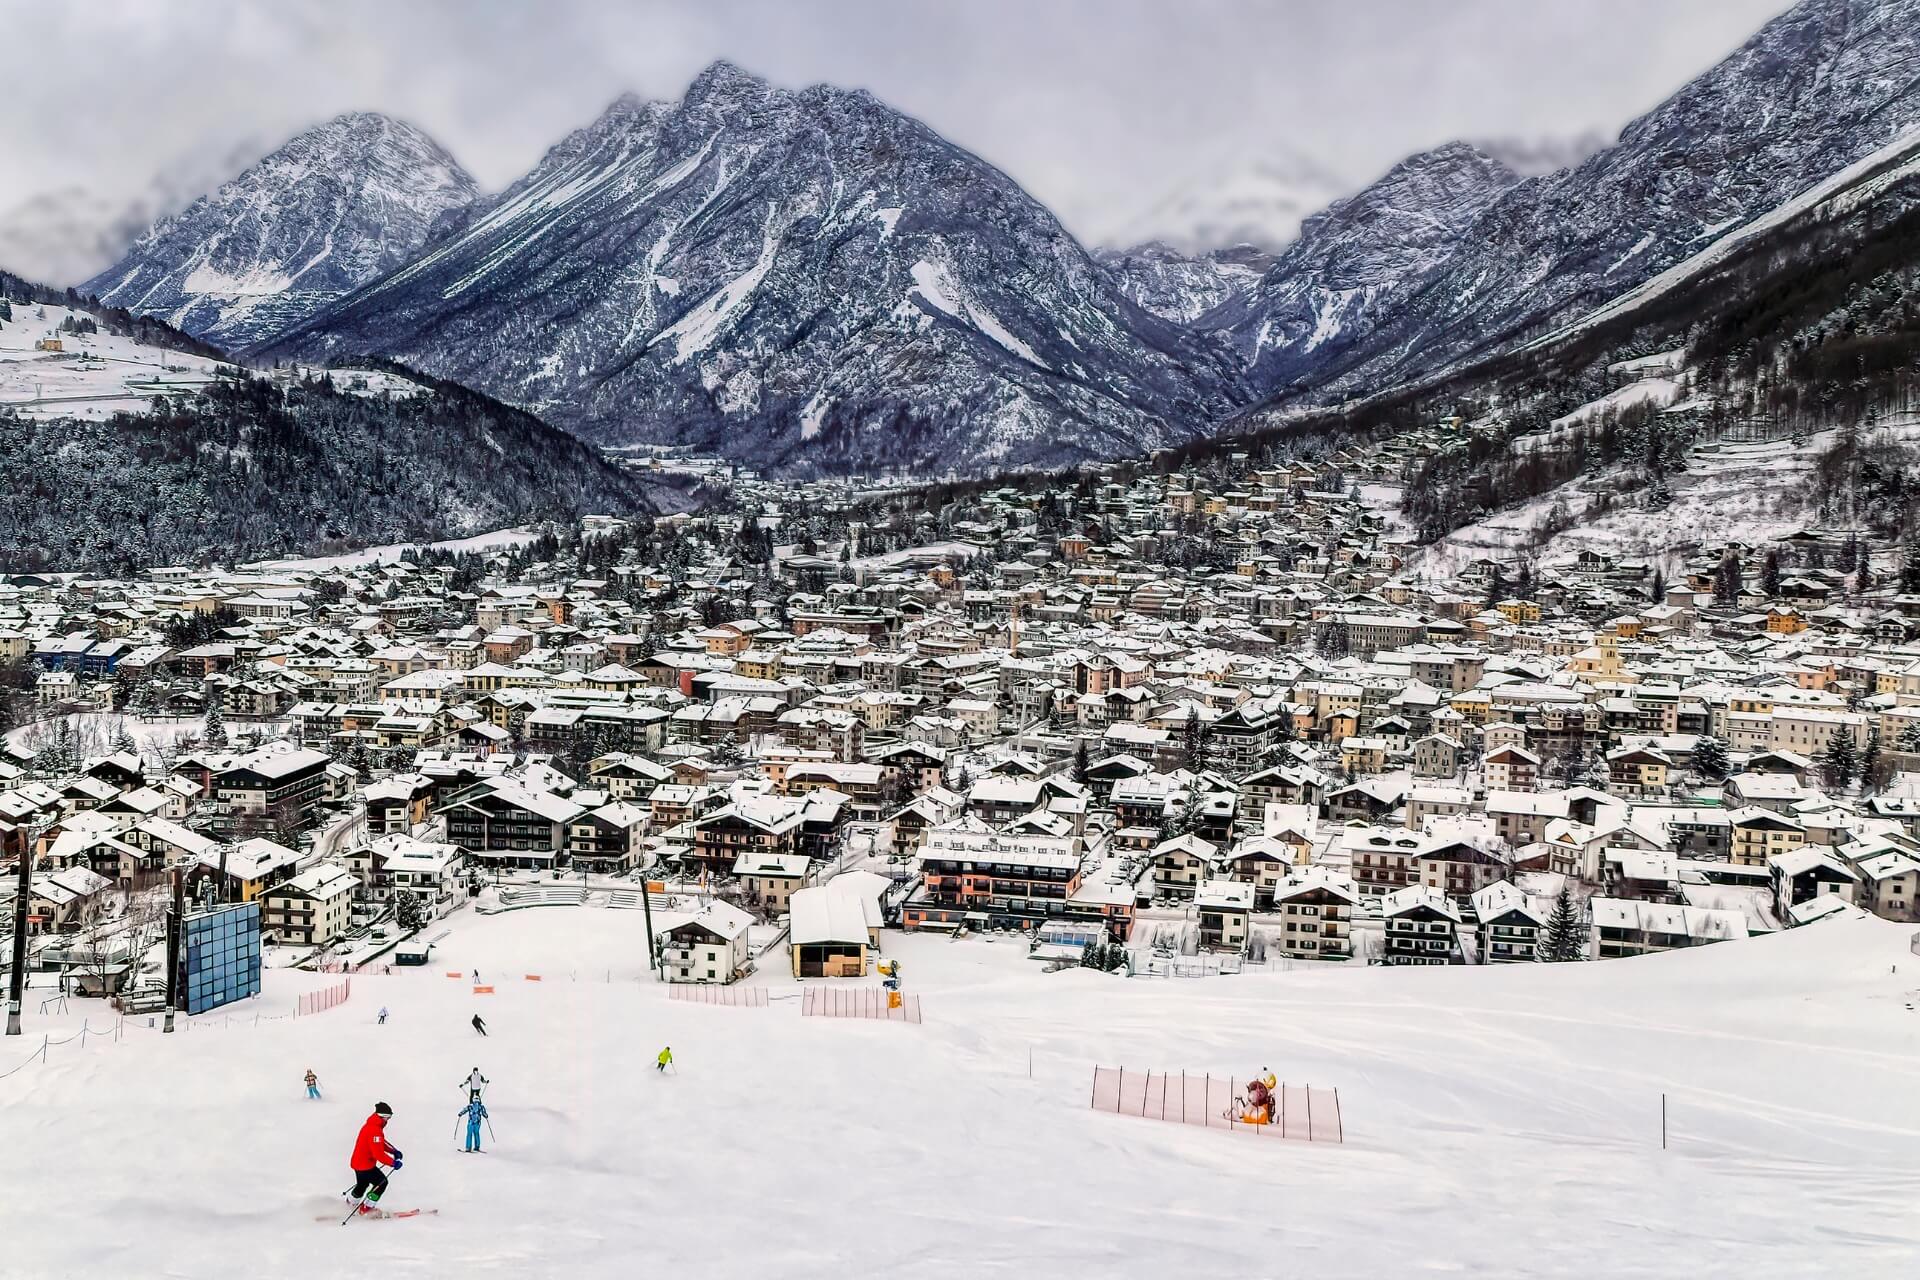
(383, 1015)
(313, 1085)
(474, 1083)
(478, 1025)
(474, 1112)
(665, 1059)
(371, 1150)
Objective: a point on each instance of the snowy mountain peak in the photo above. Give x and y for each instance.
(804, 279)
(724, 81)
(1817, 89)
(334, 207)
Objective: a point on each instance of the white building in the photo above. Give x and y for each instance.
(711, 947)
(312, 908)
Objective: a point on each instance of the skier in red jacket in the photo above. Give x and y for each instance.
(371, 1150)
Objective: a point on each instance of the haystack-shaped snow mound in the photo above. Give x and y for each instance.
(1499, 1121)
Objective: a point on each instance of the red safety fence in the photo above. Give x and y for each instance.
(860, 1002)
(325, 998)
(733, 997)
(1298, 1111)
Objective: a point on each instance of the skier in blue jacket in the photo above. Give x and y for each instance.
(475, 1111)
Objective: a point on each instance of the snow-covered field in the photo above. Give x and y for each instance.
(391, 553)
(1500, 1121)
(1750, 492)
(97, 374)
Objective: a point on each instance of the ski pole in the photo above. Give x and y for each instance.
(360, 1202)
(456, 1126)
(490, 1133)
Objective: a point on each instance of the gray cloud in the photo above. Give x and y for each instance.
(1096, 106)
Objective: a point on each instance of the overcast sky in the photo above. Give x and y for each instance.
(1098, 107)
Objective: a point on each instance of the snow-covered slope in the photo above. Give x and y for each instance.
(804, 280)
(94, 375)
(1502, 1121)
(1817, 89)
(1261, 203)
(1359, 260)
(339, 205)
(1176, 287)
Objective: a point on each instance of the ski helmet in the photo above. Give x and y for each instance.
(382, 1109)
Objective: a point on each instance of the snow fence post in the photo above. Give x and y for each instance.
(1163, 1095)
(1183, 1097)
(1663, 1121)
(1120, 1092)
(1206, 1089)
(1339, 1125)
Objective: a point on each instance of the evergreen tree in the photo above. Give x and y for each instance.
(1841, 760)
(727, 753)
(1565, 940)
(1657, 589)
(1910, 568)
(1196, 741)
(1770, 574)
(1726, 580)
(410, 910)
(1080, 763)
(1910, 739)
(216, 733)
(1710, 758)
(1870, 760)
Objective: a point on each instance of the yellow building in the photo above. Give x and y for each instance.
(1758, 834)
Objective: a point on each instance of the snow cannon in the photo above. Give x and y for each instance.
(1259, 1108)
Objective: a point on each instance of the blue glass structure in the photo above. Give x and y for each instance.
(220, 956)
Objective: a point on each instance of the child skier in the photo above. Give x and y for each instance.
(383, 1015)
(475, 1111)
(478, 1025)
(474, 1083)
(665, 1059)
(313, 1085)
(371, 1150)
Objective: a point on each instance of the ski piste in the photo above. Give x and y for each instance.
(379, 1214)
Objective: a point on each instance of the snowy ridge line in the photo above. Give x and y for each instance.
(1829, 188)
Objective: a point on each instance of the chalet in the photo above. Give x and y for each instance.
(312, 908)
(1422, 927)
(711, 947)
(1225, 908)
(608, 839)
(1315, 907)
(771, 879)
(510, 824)
(285, 783)
(1511, 928)
(1808, 872)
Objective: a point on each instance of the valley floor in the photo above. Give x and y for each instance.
(1500, 1121)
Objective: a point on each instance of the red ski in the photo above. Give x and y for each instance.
(377, 1214)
